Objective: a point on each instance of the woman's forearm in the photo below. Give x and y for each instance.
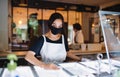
(72, 56)
(33, 60)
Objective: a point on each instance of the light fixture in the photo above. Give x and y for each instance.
(20, 22)
(60, 8)
(23, 3)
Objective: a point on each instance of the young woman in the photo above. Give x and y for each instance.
(52, 46)
(78, 38)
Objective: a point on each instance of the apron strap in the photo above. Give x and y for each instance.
(44, 38)
(62, 39)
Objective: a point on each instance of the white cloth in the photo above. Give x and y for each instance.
(53, 52)
(79, 38)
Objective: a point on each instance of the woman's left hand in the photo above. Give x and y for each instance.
(74, 57)
(50, 66)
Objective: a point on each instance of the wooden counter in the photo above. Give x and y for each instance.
(86, 52)
(76, 52)
(18, 53)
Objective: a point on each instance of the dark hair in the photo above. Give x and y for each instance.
(55, 16)
(33, 15)
(77, 26)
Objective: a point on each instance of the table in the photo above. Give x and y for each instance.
(71, 69)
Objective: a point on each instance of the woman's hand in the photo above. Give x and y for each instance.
(73, 56)
(50, 66)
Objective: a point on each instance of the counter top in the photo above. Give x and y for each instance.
(71, 69)
(86, 52)
(3, 54)
(76, 52)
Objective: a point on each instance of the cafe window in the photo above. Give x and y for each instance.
(21, 37)
(19, 28)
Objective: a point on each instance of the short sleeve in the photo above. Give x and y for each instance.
(37, 45)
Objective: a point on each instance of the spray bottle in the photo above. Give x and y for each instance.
(11, 66)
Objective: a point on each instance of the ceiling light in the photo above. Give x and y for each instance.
(23, 3)
(60, 8)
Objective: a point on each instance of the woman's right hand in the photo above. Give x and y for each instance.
(50, 66)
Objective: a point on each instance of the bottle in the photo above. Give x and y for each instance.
(11, 66)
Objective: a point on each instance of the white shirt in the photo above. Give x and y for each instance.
(79, 38)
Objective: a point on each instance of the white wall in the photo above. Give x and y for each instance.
(3, 25)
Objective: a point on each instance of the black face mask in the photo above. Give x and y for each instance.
(55, 30)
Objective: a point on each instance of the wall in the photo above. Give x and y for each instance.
(85, 25)
(3, 25)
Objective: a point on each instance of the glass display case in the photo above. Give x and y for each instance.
(110, 24)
